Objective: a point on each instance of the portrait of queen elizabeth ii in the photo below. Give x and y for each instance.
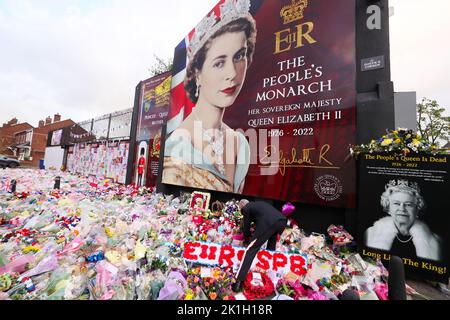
(401, 230)
(204, 152)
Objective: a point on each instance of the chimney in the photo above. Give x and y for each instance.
(48, 121)
(41, 123)
(13, 122)
(57, 118)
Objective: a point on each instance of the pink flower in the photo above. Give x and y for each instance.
(316, 296)
(108, 295)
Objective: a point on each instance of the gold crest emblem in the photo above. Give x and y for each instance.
(294, 11)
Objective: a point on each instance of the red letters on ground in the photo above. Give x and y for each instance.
(279, 261)
(227, 253)
(212, 254)
(189, 249)
(263, 260)
(298, 265)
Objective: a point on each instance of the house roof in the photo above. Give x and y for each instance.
(11, 130)
(55, 126)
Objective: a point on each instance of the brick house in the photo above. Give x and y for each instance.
(28, 143)
(7, 135)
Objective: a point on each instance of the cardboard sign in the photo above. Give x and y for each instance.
(212, 254)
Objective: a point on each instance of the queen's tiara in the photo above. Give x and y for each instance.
(230, 10)
(403, 184)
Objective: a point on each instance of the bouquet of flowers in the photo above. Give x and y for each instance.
(158, 264)
(194, 282)
(6, 282)
(231, 210)
(401, 142)
(292, 236)
(339, 235)
(215, 284)
(335, 284)
(293, 289)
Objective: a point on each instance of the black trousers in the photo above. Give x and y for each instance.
(259, 238)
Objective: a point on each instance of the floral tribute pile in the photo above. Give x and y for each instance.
(400, 142)
(96, 240)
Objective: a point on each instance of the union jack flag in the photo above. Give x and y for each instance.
(180, 104)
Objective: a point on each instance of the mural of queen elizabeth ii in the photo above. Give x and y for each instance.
(203, 152)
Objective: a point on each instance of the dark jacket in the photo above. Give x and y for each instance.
(262, 214)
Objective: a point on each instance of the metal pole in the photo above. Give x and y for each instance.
(13, 186)
(57, 183)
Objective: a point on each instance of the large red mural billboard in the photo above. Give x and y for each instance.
(263, 102)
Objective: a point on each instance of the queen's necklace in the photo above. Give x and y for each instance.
(403, 241)
(216, 144)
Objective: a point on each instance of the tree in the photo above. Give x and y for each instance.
(432, 125)
(160, 66)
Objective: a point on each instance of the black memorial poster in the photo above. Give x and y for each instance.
(403, 211)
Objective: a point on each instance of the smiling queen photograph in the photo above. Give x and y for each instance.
(402, 230)
(204, 152)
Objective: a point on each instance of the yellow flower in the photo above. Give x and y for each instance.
(189, 295)
(416, 143)
(31, 249)
(398, 141)
(386, 142)
(216, 274)
(395, 132)
(108, 232)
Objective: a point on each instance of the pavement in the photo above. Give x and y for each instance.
(428, 290)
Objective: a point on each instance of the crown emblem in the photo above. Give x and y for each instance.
(328, 188)
(230, 10)
(294, 11)
(403, 184)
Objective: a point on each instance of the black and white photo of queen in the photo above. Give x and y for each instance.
(402, 232)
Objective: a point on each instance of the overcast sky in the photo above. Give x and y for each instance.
(83, 58)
